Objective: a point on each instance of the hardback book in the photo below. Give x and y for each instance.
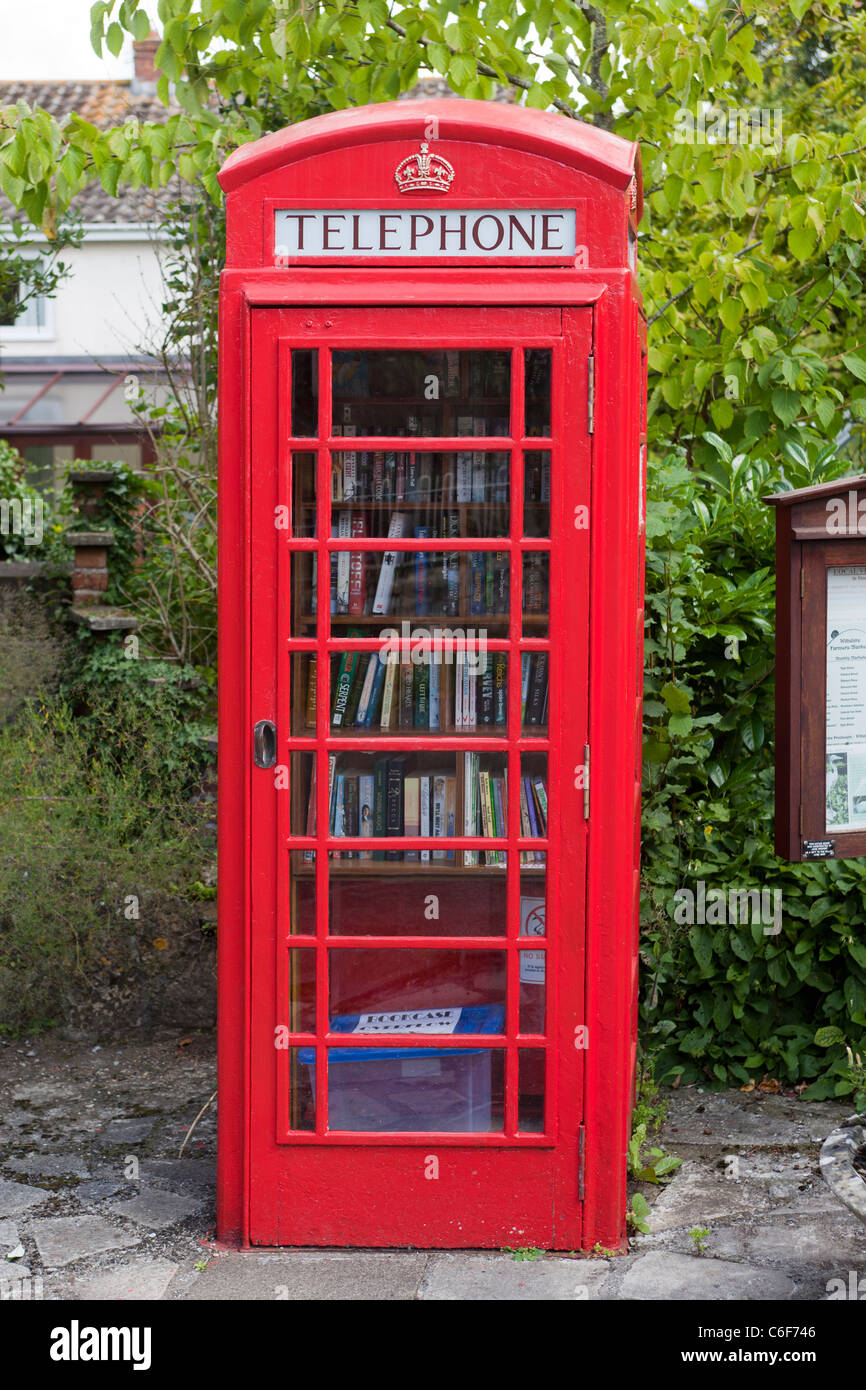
(390, 560)
(389, 697)
(435, 670)
(452, 606)
(407, 694)
(424, 814)
(357, 567)
(537, 689)
(439, 812)
(479, 465)
(525, 677)
(421, 692)
(470, 805)
(380, 803)
(463, 492)
(350, 460)
(450, 813)
(395, 805)
(422, 581)
(372, 692)
(500, 688)
(366, 695)
(351, 812)
(412, 812)
(366, 802)
(343, 684)
(309, 854)
(344, 531)
(310, 709)
(359, 676)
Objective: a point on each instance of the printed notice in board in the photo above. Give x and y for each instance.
(416, 1021)
(846, 698)
(532, 923)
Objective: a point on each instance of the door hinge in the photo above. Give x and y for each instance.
(801, 820)
(590, 394)
(802, 582)
(586, 781)
(581, 1183)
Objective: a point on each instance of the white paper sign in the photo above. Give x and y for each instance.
(424, 233)
(532, 923)
(846, 698)
(415, 1021)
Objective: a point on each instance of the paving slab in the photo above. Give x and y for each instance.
(127, 1131)
(697, 1278)
(9, 1237)
(354, 1276)
(97, 1190)
(156, 1209)
(48, 1166)
(495, 1278)
(823, 1241)
(701, 1193)
(729, 1119)
(181, 1174)
(62, 1240)
(17, 1197)
(141, 1279)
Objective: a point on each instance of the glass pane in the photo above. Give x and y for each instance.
(464, 585)
(304, 685)
(303, 494)
(530, 1090)
(411, 687)
(846, 698)
(416, 1090)
(302, 892)
(536, 593)
(305, 392)
(537, 383)
(427, 903)
(393, 392)
(302, 991)
(423, 795)
(302, 790)
(305, 566)
(302, 1104)
(533, 803)
(536, 493)
(533, 886)
(372, 989)
(534, 693)
(420, 485)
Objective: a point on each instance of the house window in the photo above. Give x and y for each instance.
(32, 322)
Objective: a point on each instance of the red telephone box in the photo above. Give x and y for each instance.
(431, 539)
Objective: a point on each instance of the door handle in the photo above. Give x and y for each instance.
(265, 743)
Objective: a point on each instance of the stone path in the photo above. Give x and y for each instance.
(96, 1205)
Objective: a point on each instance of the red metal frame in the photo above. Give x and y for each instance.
(277, 1186)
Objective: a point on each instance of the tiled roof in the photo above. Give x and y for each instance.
(104, 104)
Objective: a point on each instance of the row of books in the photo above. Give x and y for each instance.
(394, 802)
(423, 583)
(392, 476)
(370, 692)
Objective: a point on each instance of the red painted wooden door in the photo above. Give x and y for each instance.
(419, 612)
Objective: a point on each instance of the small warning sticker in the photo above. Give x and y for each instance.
(819, 849)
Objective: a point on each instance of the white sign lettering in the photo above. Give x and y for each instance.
(424, 233)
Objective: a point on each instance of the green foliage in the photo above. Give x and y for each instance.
(637, 1216)
(730, 1001)
(93, 810)
(652, 1165)
(21, 500)
(699, 1237)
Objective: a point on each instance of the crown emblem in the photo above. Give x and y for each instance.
(424, 172)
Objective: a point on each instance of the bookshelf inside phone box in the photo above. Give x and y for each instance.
(432, 457)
